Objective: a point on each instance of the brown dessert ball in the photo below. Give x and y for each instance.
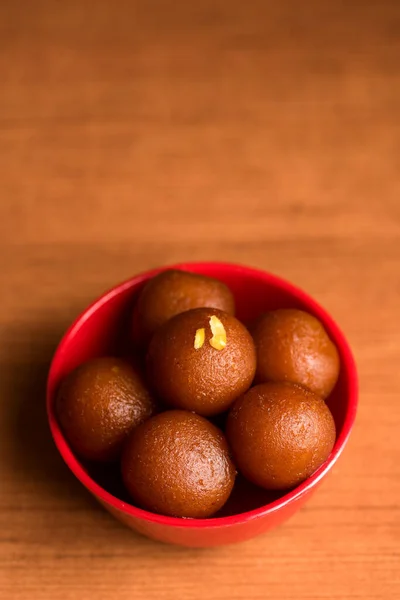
(173, 292)
(177, 464)
(99, 404)
(194, 368)
(293, 346)
(280, 433)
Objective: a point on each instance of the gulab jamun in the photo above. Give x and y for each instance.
(279, 434)
(173, 292)
(293, 346)
(201, 360)
(177, 463)
(98, 405)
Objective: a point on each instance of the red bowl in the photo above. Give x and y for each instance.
(101, 329)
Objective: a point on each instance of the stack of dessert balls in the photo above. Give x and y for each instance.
(156, 424)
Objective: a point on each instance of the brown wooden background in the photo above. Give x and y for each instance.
(135, 133)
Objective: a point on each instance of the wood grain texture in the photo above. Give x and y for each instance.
(137, 133)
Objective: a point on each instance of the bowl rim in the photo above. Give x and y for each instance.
(348, 363)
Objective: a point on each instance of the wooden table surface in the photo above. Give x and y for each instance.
(138, 133)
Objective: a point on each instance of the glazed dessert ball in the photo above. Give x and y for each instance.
(173, 292)
(280, 433)
(177, 464)
(201, 360)
(99, 404)
(293, 346)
